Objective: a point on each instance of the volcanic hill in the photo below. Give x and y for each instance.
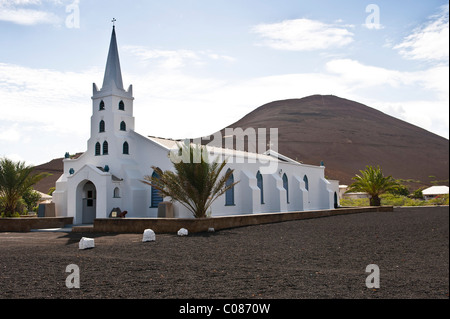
(347, 136)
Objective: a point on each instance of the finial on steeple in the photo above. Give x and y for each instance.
(113, 22)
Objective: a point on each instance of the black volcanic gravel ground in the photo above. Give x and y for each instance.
(315, 258)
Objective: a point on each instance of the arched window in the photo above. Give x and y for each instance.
(123, 126)
(305, 179)
(121, 106)
(286, 187)
(259, 183)
(97, 149)
(116, 192)
(336, 204)
(126, 148)
(105, 148)
(229, 194)
(101, 107)
(101, 126)
(156, 197)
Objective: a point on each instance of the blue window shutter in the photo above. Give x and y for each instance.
(101, 126)
(286, 187)
(97, 149)
(305, 179)
(156, 197)
(259, 182)
(229, 194)
(126, 148)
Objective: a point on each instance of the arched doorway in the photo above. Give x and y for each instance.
(89, 203)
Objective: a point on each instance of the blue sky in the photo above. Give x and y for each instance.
(198, 66)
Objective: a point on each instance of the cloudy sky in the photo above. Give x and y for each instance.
(199, 65)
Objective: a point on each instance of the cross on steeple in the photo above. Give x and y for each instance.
(113, 20)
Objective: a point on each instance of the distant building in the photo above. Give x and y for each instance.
(433, 191)
(109, 174)
(352, 195)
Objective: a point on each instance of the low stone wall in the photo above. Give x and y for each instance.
(25, 224)
(195, 225)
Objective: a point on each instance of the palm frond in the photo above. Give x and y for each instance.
(196, 181)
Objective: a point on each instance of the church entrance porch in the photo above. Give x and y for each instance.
(87, 197)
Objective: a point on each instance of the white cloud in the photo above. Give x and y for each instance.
(41, 95)
(28, 17)
(173, 59)
(302, 35)
(430, 41)
(360, 75)
(357, 75)
(18, 2)
(10, 133)
(18, 12)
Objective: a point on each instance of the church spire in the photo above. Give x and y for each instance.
(113, 75)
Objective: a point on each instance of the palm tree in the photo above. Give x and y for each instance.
(15, 180)
(373, 182)
(195, 183)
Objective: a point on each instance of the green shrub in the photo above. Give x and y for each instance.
(398, 200)
(439, 200)
(358, 202)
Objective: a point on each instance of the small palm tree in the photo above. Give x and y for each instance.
(196, 182)
(16, 178)
(373, 182)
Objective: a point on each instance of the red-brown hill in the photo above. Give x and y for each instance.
(347, 136)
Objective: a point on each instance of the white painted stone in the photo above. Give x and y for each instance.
(211, 230)
(149, 235)
(182, 232)
(86, 243)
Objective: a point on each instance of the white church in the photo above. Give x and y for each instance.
(109, 174)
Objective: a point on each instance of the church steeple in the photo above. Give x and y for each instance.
(112, 117)
(113, 74)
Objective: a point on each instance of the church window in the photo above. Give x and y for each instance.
(105, 148)
(286, 187)
(259, 183)
(101, 126)
(126, 148)
(156, 196)
(123, 126)
(121, 106)
(305, 179)
(97, 149)
(336, 205)
(116, 192)
(101, 106)
(229, 194)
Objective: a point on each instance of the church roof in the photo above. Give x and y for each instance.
(270, 155)
(113, 74)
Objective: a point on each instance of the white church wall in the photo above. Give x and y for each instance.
(299, 195)
(274, 194)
